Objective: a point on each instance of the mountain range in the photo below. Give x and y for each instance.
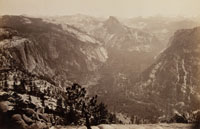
(145, 71)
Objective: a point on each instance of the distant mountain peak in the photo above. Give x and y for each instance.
(112, 20)
(113, 25)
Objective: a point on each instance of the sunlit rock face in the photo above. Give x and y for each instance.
(172, 82)
(48, 49)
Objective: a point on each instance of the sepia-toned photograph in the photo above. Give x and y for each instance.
(99, 64)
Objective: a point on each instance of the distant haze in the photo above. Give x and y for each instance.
(121, 8)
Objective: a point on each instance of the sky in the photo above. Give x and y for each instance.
(120, 8)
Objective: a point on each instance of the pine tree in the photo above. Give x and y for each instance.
(80, 107)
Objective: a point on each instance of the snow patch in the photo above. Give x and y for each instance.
(81, 36)
(27, 21)
(154, 70)
(177, 71)
(102, 54)
(183, 88)
(99, 54)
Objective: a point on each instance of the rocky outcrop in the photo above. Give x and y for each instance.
(27, 100)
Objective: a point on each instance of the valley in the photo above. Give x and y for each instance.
(144, 73)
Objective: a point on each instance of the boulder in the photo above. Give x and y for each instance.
(3, 107)
(17, 117)
(44, 117)
(178, 119)
(103, 126)
(28, 120)
(39, 125)
(29, 112)
(19, 122)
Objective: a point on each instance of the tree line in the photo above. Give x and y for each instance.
(80, 109)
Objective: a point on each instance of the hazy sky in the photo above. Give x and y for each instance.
(122, 8)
